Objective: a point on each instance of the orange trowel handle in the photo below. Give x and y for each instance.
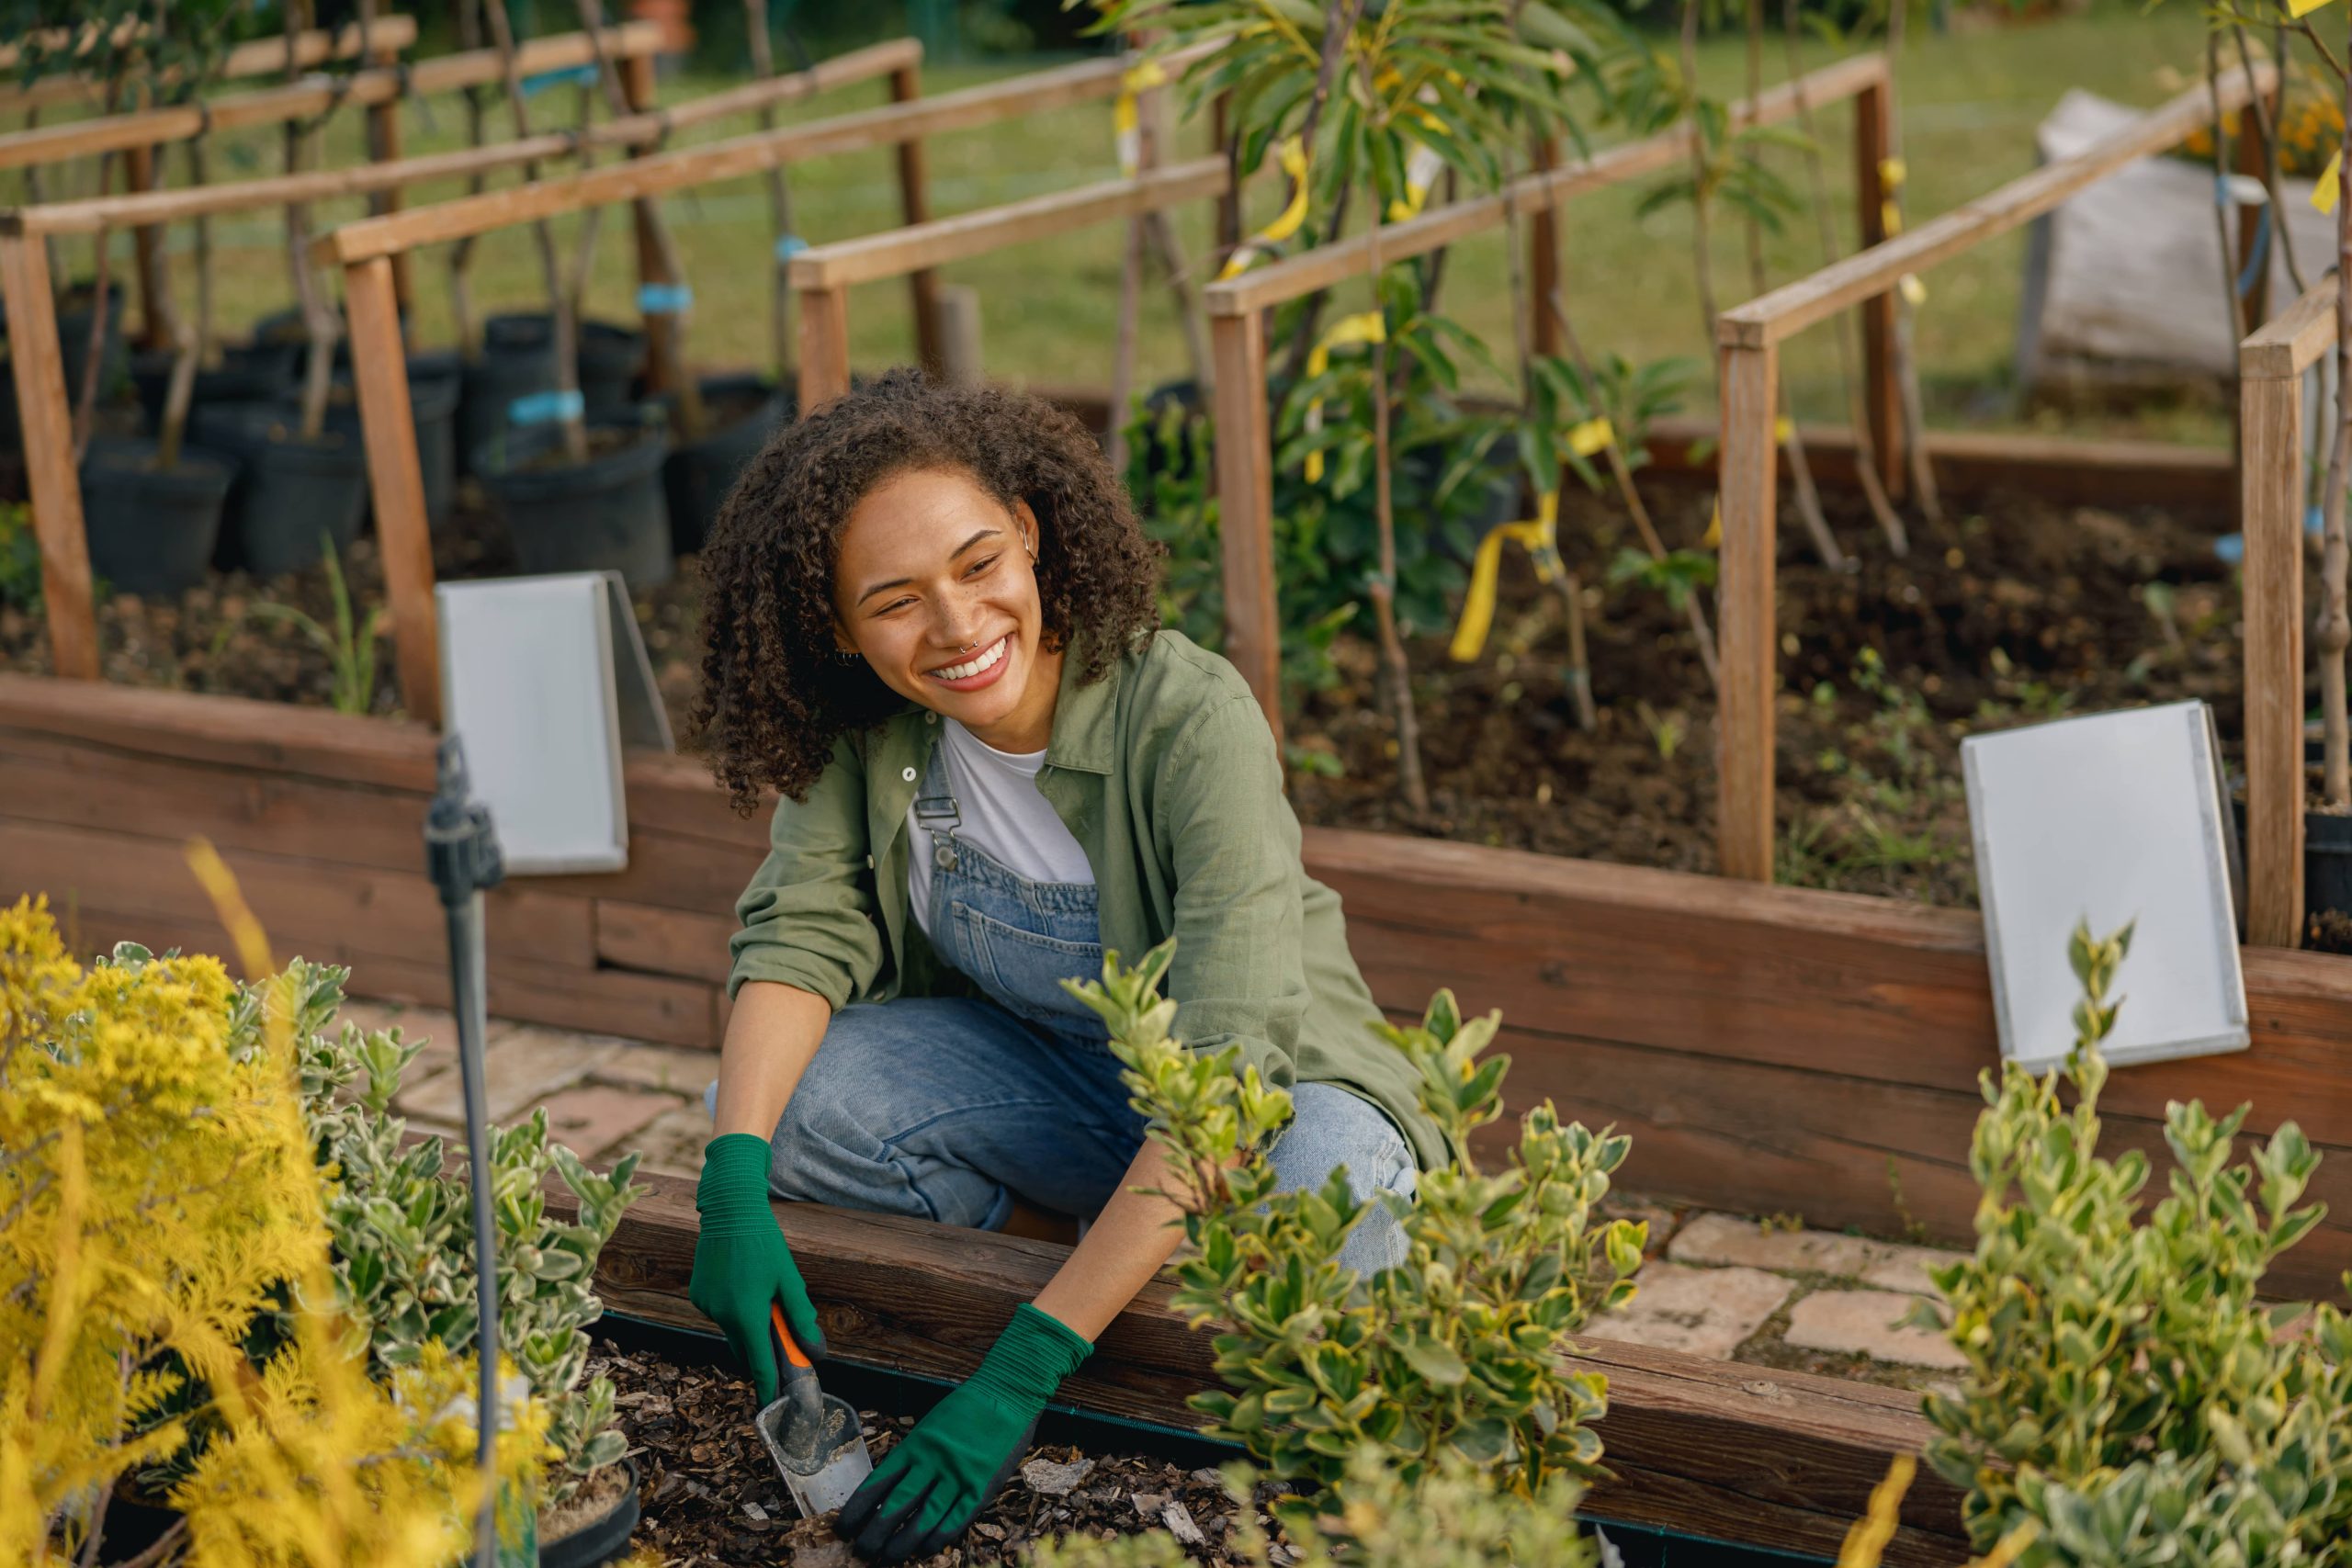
(783, 1339)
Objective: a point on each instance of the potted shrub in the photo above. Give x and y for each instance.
(577, 492)
(164, 1263)
(402, 1248)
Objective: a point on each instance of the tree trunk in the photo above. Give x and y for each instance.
(755, 25)
(1383, 597)
(1907, 364)
(563, 335)
(2336, 623)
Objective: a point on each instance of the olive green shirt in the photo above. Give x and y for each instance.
(1165, 775)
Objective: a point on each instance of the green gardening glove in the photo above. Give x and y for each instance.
(741, 1262)
(938, 1478)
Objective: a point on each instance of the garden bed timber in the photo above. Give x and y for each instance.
(1769, 1049)
(1778, 1460)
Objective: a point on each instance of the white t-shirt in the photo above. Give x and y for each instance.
(1000, 813)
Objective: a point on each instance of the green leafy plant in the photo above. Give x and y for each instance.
(1453, 1516)
(20, 557)
(349, 647)
(402, 1234)
(2128, 1399)
(1457, 1352)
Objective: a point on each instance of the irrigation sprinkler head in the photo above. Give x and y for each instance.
(461, 842)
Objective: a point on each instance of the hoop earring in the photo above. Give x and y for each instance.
(846, 656)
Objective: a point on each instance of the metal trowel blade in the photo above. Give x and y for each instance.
(822, 1462)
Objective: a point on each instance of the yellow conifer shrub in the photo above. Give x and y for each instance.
(158, 1194)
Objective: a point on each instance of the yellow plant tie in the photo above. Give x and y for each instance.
(2330, 183)
(1593, 435)
(1539, 537)
(1913, 290)
(1714, 537)
(1892, 171)
(1421, 171)
(1891, 174)
(1783, 428)
(1125, 124)
(1285, 224)
(2303, 8)
(1369, 326)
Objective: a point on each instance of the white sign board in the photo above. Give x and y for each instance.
(543, 678)
(2113, 818)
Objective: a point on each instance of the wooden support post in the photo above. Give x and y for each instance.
(47, 422)
(1543, 280)
(147, 242)
(824, 347)
(960, 357)
(384, 147)
(1750, 644)
(642, 86)
(1882, 394)
(914, 202)
(1245, 489)
(2270, 414)
(405, 534)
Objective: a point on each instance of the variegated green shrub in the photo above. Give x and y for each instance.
(403, 1231)
(1459, 1350)
(2128, 1399)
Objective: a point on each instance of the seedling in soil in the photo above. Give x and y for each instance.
(350, 647)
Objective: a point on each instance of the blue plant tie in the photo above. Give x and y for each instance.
(788, 246)
(547, 408)
(2230, 547)
(582, 76)
(2258, 256)
(664, 299)
(2316, 520)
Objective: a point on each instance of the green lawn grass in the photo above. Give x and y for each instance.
(1969, 101)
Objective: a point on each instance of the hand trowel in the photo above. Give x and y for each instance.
(812, 1435)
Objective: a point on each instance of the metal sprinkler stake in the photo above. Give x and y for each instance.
(461, 853)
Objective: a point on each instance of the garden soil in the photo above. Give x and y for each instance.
(711, 1495)
(2011, 611)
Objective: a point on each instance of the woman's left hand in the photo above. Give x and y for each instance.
(944, 1473)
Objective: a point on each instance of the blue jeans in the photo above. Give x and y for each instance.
(948, 1108)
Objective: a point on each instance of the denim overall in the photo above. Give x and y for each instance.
(945, 1107)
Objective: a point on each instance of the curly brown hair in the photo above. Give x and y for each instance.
(774, 698)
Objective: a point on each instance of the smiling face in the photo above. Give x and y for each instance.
(936, 588)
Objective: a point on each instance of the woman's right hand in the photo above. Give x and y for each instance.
(741, 1262)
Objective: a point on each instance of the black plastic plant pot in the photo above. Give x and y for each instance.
(600, 1540)
(608, 354)
(2328, 865)
(434, 384)
(278, 360)
(133, 1524)
(152, 529)
(606, 514)
(74, 349)
(745, 411)
(150, 373)
(304, 495)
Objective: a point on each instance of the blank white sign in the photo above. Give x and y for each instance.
(527, 684)
(2113, 818)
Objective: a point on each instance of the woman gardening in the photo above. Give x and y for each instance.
(931, 616)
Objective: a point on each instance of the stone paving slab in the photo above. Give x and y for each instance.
(519, 1070)
(1868, 1323)
(1724, 1239)
(673, 1142)
(1703, 1312)
(599, 1121)
(677, 1069)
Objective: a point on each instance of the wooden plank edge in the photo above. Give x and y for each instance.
(1750, 1455)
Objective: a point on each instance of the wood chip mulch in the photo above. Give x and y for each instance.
(711, 1495)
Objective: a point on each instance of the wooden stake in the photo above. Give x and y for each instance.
(154, 288)
(47, 422)
(403, 533)
(824, 347)
(2271, 417)
(384, 147)
(1750, 645)
(1544, 263)
(1245, 487)
(1873, 132)
(914, 204)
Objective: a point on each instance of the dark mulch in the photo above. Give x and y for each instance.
(711, 1495)
(2011, 611)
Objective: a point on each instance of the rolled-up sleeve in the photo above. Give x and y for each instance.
(806, 919)
(1239, 977)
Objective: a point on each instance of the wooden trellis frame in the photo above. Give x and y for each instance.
(42, 398)
(2271, 365)
(366, 248)
(1749, 336)
(821, 275)
(1237, 336)
(386, 36)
